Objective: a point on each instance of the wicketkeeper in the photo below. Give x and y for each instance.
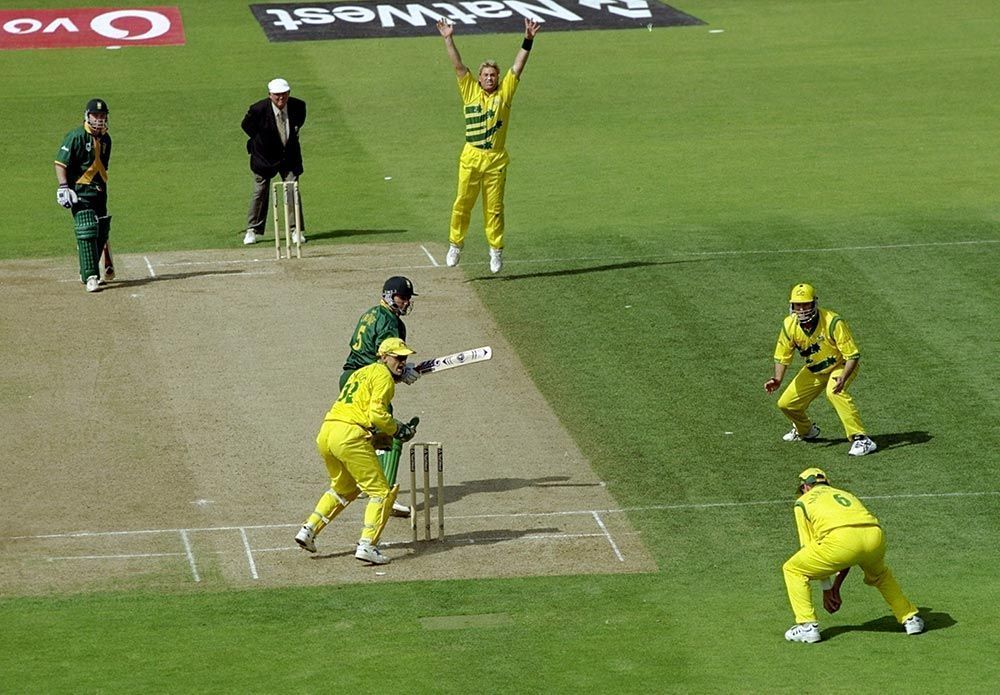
(81, 166)
(346, 442)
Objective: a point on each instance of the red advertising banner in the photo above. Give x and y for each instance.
(91, 26)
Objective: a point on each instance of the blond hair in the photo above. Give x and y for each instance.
(488, 64)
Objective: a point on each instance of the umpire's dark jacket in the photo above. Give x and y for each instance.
(267, 155)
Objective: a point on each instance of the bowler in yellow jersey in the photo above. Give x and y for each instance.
(482, 166)
(360, 413)
(837, 532)
(831, 355)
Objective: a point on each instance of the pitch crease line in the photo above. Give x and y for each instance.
(190, 555)
(607, 534)
(433, 260)
(246, 546)
(574, 512)
(149, 267)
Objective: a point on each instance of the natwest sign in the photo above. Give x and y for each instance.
(347, 19)
(92, 26)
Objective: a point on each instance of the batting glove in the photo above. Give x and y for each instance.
(410, 375)
(66, 196)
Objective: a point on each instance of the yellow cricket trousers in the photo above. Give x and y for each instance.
(847, 546)
(806, 386)
(480, 171)
(350, 460)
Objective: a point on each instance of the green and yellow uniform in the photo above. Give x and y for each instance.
(483, 163)
(345, 443)
(826, 348)
(837, 531)
(86, 155)
(374, 326)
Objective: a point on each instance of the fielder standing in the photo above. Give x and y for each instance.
(824, 340)
(81, 167)
(361, 412)
(836, 532)
(482, 166)
(382, 321)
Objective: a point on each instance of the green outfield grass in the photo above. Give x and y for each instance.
(667, 187)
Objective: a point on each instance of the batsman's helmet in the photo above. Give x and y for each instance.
(398, 286)
(812, 476)
(394, 346)
(803, 294)
(95, 114)
(97, 106)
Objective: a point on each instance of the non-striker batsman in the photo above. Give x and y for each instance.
(81, 167)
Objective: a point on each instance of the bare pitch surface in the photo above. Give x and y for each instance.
(161, 432)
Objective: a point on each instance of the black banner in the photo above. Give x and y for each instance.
(361, 20)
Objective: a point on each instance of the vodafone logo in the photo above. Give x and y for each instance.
(25, 29)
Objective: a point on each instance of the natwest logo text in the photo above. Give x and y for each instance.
(341, 20)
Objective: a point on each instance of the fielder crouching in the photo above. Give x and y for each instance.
(345, 442)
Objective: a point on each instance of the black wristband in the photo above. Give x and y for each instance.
(526, 44)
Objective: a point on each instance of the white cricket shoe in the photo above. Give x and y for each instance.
(306, 539)
(914, 625)
(250, 237)
(400, 510)
(794, 436)
(803, 632)
(451, 260)
(367, 552)
(862, 446)
(496, 260)
(93, 283)
(298, 237)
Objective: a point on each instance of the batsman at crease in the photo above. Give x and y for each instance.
(346, 442)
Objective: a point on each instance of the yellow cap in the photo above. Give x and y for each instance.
(396, 347)
(811, 476)
(802, 293)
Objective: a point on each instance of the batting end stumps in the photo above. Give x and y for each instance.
(288, 192)
(425, 449)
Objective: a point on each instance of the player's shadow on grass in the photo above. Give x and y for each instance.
(887, 623)
(165, 277)
(627, 265)
(898, 439)
(342, 233)
(884, 441)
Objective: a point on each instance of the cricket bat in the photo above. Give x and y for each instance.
(459, 359)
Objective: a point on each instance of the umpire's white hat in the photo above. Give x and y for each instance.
(278, 86)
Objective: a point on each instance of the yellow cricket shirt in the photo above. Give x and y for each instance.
(826, 508)
(365, 399)
(487, 115)
(825, 348)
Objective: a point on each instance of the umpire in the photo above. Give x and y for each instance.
(272, 126)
